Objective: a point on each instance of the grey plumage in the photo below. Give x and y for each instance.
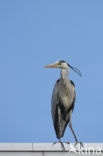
(62, 105)
(63, 99)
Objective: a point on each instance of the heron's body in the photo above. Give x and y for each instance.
(63, 99)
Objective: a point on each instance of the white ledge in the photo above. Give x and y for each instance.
(49, 147)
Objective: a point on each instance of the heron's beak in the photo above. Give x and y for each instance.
(52, 66)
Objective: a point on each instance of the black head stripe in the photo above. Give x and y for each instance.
(75, 69)
(62, 61)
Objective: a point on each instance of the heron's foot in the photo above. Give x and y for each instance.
(81, 144)
(67, 143)
(62, 145)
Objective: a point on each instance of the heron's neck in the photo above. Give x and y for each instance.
(64, 73)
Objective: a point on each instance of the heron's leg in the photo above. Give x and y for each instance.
(70, 125)
(61, 144)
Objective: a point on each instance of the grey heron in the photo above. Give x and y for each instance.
(63, 99)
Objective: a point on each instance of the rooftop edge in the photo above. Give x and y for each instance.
(43, 147)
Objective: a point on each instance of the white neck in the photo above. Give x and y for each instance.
(64, 73)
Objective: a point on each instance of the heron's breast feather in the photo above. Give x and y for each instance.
(67, 102)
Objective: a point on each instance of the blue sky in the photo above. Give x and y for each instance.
(37, 33)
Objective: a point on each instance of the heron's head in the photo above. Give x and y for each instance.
(58, 64)
(63, 65)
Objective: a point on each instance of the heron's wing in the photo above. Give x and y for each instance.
(54, 101)
(74, 96)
